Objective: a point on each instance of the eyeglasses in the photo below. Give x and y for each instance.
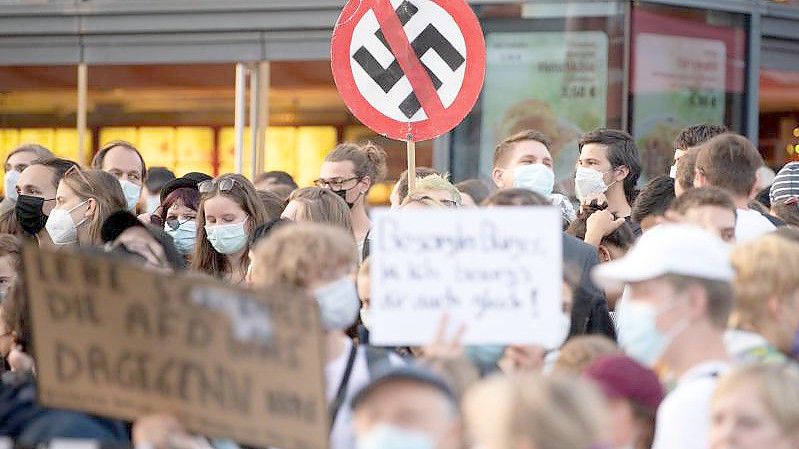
(222, 185)
(333, 184)
(175, 224)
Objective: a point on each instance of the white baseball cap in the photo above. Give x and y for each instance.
(669, 249)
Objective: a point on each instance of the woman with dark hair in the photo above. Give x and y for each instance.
(228, 214)
(177, 211)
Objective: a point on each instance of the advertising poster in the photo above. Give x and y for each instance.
(682, 73)
(555, 82)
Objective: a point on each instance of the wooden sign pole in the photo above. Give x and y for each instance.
(411, 166)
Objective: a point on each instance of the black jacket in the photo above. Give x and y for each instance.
(590, 307)
(29, 424)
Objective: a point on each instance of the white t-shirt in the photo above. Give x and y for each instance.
(683, 419)
(342, 436)
(751, 224)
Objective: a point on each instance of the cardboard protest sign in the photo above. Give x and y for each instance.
(497, 270)
(117, 341)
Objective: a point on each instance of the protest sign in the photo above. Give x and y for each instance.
(496, 270)
(118, 341)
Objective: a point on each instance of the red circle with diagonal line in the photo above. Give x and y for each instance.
(437, 118)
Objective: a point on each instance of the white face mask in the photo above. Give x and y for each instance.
(227, 239)
(61, 227)
(673, 172)
(132, 193)
(338, 303)
(588, 181)
(10, 184)
(365, 317)
(536, 177)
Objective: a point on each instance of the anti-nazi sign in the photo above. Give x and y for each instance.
(408, 69)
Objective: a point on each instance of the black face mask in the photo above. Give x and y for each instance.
(29, 213)
(343, 195)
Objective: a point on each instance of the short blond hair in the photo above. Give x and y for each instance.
(764, 269)
(300, 254)
(775, 384)
(556, 412)
(436, 182)
(426, 201)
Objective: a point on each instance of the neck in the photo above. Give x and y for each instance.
(741, 202)
(617, 201)
(360, 221)
(687, 353)
(234, 262)
(335, 342)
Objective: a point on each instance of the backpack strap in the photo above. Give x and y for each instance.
(377, 360)
(365, 251)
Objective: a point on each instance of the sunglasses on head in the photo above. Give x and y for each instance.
(221, 185)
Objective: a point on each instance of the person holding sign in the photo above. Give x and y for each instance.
(350, 171)
(228, 214)
(83, 202)
(320, 259)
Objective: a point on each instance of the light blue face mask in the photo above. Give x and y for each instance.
(153, 203)
(10, 184)
(639, 336)
(536, 177)
(132, 193)
(485, 355)
(338, 303)
(185, 236)
(390, 437)
(227, 239)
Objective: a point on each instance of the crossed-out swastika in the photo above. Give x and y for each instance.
(430, 38)
(408, 69)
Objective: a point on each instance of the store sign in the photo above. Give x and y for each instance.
(408, 69)
(553, 82)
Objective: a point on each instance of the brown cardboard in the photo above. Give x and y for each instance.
(118, 341)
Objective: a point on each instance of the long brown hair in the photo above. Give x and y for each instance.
(206, 259)
(102, 187)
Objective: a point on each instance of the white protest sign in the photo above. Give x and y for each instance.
(497, 270)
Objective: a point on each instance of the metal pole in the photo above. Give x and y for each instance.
(241, 86)
(83, 86)
(265, 81)
(255, 90)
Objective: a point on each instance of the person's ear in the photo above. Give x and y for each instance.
(604, 254)
(774, 307)
(91, 209)
(621, 173)
(672, 216)
(497, 176)
(699, 179)
(698, 302)
(367, 183)
(753, 192)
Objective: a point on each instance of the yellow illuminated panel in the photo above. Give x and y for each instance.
(313, 144)
(42, 136)
(227, 151)
(66, 145)
(195, 150)
(157, 146)
(9, 139)
(126, 133)
(279, 152)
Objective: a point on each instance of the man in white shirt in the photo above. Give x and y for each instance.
(730, 162)
(679, 301)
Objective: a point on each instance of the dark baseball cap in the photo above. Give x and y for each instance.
(408, 373)
(621, 377)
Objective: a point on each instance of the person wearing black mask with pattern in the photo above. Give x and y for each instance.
(37, 191)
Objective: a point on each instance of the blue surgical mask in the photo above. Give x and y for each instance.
(132, 193)
(385, 436)
(485, 355)
(153, 203)
(10, 184)
(185, 236)
(536, 177)
(338, 303)
(227, 239)
(639, 336)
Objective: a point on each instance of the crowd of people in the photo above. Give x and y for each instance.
(680, 324)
